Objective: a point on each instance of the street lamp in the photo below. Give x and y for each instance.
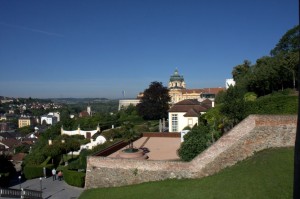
(20, 182)
(62, 154)
(41, 184)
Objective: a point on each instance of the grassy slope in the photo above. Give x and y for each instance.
(268, 174)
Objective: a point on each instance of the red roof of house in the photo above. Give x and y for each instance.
(207, 103)
(10, 142)
(84, 114)
(186, 105)
(18, 157)
(191, 113)
(212, 90)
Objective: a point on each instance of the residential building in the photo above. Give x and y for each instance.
(10, 144)
(186, 112)
(86, 134)
(51, 118)
(25, 121)
(126, 102)
(229, 82)
(86, 113)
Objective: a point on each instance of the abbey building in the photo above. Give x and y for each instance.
(178, 91)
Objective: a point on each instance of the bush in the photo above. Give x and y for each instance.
(74, 178)
(194, 143)
(273, 105)
(112, 134)
(36, 171)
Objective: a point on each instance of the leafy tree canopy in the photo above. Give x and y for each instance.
(155, 102)
(289, 42)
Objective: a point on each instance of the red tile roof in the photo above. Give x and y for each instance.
(191, 113)
(212, 90)
(10, 142)
(186, 105)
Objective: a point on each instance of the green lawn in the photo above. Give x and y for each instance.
(268, 174)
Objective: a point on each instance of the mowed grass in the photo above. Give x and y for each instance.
(268, 174)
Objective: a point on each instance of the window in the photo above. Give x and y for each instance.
(174, 122)
(190, 122)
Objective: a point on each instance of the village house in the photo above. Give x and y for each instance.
(186, 112)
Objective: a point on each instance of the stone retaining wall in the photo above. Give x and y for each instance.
(255, 133)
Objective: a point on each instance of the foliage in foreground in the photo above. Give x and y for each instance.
(267, 175)
(74, 178)
(196, 141)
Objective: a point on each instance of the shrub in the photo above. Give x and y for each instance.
(112, 134)
(74, 178)
(36, 171)
(194, 143)
(273, 105)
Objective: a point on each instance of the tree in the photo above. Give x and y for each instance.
(288, 63)
(52, 150)
(26, 130)
(289, 42)
(234, 104)
(72, 145)
(129, 134)
(241, 70)
(155, 102)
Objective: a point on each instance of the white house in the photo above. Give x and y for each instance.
(99, 140)
(124, 103)
(229, 82)
(185, 113)
(86, 134)
(51, 118)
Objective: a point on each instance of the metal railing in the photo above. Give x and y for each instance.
(23, 193)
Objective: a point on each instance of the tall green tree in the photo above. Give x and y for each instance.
(155, 102)
(129, 133)
(234, 105)
(289, 42)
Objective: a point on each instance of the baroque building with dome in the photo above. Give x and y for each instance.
(178, 91)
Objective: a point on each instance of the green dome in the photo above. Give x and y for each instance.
(176, 77)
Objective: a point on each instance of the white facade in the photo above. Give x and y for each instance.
(126, 102)
(177, 121)
(86, 134)
(49, 119)
(89, 110)
(99, 140)
(185, 113)
(229, 82)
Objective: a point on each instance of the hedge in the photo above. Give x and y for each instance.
(74, 178)
(36, 171)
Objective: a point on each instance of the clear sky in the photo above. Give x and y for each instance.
(98, 48)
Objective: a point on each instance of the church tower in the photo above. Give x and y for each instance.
(176, 87)
(89, 110)
(176, 81)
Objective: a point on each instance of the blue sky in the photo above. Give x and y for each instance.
(98, 48)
